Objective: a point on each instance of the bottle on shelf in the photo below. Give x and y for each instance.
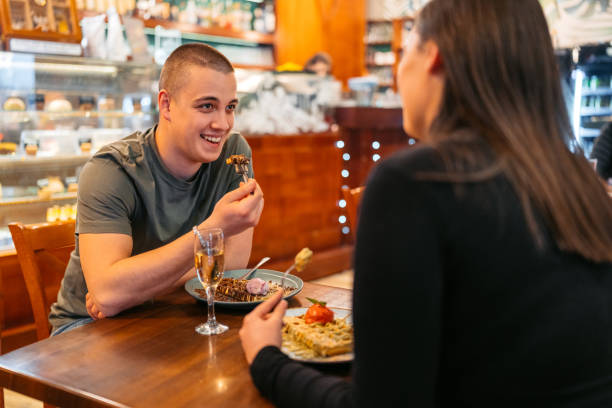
(269, 18)
(259, 24)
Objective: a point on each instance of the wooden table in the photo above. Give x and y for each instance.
(148, 357)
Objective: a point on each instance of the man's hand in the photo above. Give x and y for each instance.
(238, 210)
(262, 327)
(92, 309)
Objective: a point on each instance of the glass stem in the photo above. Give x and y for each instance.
(210, 299)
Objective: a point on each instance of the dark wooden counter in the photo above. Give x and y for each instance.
(148, 357)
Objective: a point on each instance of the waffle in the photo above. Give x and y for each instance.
(325, 340)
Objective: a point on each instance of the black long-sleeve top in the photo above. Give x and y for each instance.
(456, 306)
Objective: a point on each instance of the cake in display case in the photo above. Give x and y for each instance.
(55, 113)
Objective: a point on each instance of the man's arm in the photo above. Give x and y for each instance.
(117, 281)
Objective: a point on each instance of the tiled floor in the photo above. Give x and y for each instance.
(14, 400)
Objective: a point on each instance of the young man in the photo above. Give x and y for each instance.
(140, 197)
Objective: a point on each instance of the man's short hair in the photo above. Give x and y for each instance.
(173, 73)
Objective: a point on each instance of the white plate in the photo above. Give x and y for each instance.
(339, 358)
(265, 274)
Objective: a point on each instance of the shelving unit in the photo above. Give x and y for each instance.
(385, 36)
(212, 35)
(592, 102)
(249, 36)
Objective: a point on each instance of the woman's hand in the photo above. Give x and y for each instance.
(92, 309)
(262, 327)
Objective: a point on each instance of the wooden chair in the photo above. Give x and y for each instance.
(43, 251)
(352, 196)
(1, 329)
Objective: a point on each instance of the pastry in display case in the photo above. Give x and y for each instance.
(55, 112)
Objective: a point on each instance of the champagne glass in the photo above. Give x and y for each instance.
(209, 264)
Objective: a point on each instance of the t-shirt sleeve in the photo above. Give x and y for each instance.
(106, 199)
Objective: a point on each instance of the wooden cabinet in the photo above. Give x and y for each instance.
(50, 20)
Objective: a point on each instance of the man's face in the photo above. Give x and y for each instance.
(202, 113)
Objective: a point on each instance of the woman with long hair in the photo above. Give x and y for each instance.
(483, 263)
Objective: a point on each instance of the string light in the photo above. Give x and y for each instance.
(346, 157)
(375, 145)
(342, 203)
(339, 144)
(342, 219)
(345, 173)
(375, 157)
(346, 230)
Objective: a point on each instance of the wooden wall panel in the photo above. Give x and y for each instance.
(300, 178)
(334, 26)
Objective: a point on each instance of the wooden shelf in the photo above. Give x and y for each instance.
(19, 163)
(34, 199)
(378, 42)
(372, 64)
(262, 67)
(252, 36)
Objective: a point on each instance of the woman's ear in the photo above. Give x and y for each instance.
(434, 61)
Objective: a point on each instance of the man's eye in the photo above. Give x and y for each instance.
(231, 107)
(207, 106)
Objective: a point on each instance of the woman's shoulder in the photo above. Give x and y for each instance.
(412, 161)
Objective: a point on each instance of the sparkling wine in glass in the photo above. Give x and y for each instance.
(209, 265)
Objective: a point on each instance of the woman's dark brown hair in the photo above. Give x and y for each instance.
(502, 85)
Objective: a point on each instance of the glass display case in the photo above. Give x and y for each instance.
(55, 112)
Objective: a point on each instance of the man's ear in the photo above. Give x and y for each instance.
(434, 61)
(163, 102)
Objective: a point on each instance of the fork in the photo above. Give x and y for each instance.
(285, 275)
(253, 269)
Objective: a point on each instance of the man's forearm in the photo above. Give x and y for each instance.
(133, 280)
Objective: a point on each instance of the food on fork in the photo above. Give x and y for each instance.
(302, 259)
(238, 159)
(240, 163)
(322, 337)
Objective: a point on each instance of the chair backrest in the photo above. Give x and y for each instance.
(43, 251)
(352, 196)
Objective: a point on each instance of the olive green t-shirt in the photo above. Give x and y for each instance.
(126, 189)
